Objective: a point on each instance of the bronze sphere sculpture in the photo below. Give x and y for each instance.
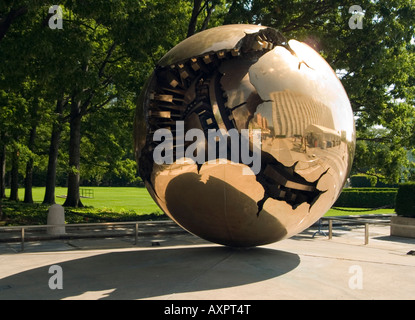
(244, 138)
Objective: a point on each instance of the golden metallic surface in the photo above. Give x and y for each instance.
(207, 42)
(233, 79)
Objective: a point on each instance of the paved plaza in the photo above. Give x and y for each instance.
(184, 267)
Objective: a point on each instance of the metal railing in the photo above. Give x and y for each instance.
(23, 228)
(354, 221)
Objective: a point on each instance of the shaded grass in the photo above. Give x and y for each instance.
(18, 213)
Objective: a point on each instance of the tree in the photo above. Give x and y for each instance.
(205, 10)
(12, 106)
(89, 93)
(386, 161)
(26, 73)
(375, 64)
(55, 139)
(81, 68)
(71, 92)
(106, 153)
(71, 65)
(103, 78)
(9, 14)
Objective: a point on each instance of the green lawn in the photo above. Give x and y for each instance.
(112, 204)
(122, 199)
(116, 199)
(356, 211)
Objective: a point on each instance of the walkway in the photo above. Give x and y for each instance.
(186, 267)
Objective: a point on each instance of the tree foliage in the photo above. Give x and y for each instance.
(67, 96)
(376, 65)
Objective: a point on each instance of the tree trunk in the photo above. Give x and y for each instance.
(53, 156)
(6, 21)
(2, 175)
(28, 196)
(197, 5)
(230, 15)
(208, 16)
(14, 185)
(2, 216)
(52, 164)
(28, 181)
(2, 170)
(73, 197)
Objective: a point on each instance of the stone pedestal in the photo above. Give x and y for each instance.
(56, 220)
(403, 227)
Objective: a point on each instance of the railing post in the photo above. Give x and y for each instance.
(136, 234)
(330, 229)
(22, 238)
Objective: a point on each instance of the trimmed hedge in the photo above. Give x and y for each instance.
(367, 198)
(405, 200)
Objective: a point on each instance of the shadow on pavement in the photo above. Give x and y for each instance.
(396, 239)
(151, 273)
